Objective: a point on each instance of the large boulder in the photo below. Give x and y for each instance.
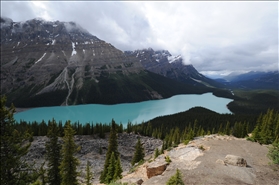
(157, 167)
(235, 160)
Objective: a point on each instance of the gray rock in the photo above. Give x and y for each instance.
(235, 160)
(156, 167)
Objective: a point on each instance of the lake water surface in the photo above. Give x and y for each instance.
(134, 112)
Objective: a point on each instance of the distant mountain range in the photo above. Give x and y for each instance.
(48, 63)
(252, 80)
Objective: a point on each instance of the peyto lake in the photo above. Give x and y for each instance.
(134, 112)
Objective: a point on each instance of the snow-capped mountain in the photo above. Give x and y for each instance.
(163, 63)
(45, 63)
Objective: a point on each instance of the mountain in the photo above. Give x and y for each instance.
(47, 63)
(163, 63)
(252, 80)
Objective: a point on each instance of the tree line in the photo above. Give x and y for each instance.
(172, 129)
(60, 157)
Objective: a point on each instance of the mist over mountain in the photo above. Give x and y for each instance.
(48, 63)
(163, 63)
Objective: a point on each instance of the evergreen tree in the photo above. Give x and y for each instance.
(114, 169)
(69, 163)
(163, 147)
(111, 169)
(227, 129)
(273, 152)
(176, 136)
(89, 174)
(14, 146)
(267, 128)
(53, 155)
(139, 153)
(156, 153)
(176, 179)
(118, 170)
(112, 148)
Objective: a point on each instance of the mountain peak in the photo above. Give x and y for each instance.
(163, 63)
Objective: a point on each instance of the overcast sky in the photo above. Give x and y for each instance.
(215, 37)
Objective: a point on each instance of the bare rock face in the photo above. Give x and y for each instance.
(235, 160)
(41, 58)
(157, 167)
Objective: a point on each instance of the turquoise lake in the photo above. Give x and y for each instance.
(134, 112)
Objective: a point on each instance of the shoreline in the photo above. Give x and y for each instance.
(18, 109)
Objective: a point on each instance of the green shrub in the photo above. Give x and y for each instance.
(201, 148)
(167, 159)
(186, 142)
(176, 179)
(273, 152)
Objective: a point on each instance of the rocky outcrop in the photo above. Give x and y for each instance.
(156, 167)
(207, 167)
(90, 151)
(235, 160)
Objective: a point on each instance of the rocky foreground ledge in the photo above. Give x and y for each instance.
(212, 159)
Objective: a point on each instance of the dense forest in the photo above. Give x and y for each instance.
(172, 129)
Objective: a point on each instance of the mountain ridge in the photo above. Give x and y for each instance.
(252, 80)
(47, 63)
(163, 63)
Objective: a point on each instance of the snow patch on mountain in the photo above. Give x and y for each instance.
(174, 58)
(40, 58)
(196, 80)
(74, 52)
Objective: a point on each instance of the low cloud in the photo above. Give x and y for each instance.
(213, 36)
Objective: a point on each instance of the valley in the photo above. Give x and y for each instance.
(73, 85)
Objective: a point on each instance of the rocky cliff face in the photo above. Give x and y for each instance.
(163, 63)
(55, 58)
(46, 63)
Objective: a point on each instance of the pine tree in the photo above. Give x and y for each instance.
(273, 152)
(227, 129)
(69, 163)
(176, 179)
(112, 148)
(139, 153)
(118, 170)
(156, 153)
(53, 155)
(111, 169)
(163, 147)
(14, 146)
(176, 136)
(89, 174)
